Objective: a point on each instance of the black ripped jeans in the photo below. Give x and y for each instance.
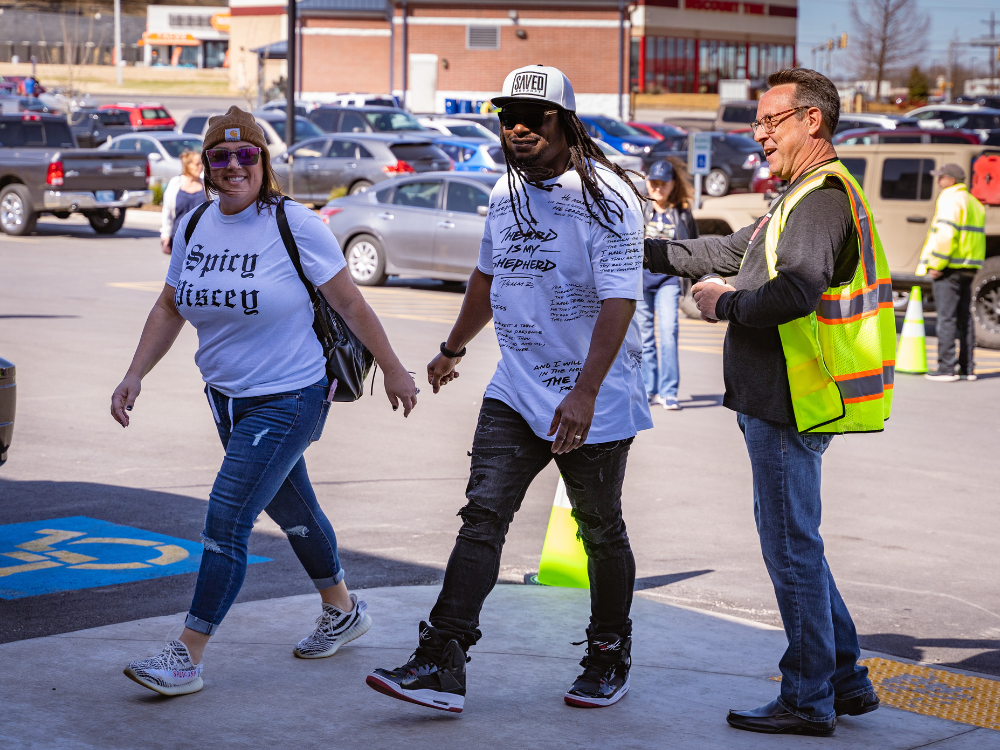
(506, 457)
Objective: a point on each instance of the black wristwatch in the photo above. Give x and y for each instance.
(449, 353)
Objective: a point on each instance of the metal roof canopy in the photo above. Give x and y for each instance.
(274, 51)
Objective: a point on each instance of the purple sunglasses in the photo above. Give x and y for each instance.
(219, 158)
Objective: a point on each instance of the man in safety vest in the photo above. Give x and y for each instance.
(809, 353)
(954, 250)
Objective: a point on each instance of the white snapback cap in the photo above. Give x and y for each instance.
(538, 83)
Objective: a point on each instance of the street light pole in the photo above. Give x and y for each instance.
(118, 39)
(621, 54)
(290, 78)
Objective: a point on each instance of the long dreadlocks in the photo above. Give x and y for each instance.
(585, 155)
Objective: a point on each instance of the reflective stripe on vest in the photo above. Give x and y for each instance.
(841, 358)
(967, 247)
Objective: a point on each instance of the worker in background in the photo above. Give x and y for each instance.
(954, 250)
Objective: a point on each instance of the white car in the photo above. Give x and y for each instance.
(458, 128)
(959, 116)
(868, 120)
(163, 149)
(617, 157)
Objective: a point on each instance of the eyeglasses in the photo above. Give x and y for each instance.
(531, 119)
(219, 158)
(771, 122)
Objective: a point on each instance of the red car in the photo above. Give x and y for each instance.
(872, 136)
(148, 116)
(658, 130)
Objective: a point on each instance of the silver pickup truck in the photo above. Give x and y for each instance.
(43, 172)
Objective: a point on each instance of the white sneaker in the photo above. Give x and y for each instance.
(334, 628)
(941, 377)
(656, 400)
(671, 405)
(170, 672)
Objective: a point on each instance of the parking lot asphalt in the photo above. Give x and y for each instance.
(910, 525)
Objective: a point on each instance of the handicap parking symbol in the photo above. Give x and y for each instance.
(62, 554)
(702, 161)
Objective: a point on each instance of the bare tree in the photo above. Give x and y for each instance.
(890, 34)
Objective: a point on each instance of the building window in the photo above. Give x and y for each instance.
(692, 66)
(185, 21)
(482, 37)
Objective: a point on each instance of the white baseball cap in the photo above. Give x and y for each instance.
(537, 83)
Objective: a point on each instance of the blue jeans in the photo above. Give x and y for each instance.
(660, 380)
(264, 437)
(821, 661)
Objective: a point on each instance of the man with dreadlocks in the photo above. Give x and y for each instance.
(560, 271)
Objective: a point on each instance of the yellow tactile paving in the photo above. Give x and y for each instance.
(934, 692)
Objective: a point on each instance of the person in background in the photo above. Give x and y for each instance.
(183, 193)
(954, 250)
(667, 216)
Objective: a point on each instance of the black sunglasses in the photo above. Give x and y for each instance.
(531, 119)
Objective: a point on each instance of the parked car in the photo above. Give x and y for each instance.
(92, 127)
(162, 149)
(625, 161)
(902, 193)
(365, 100)
(905, 135)
(658, 130)
(347, 164)
(8, 404)
(618, 135)
(149, 116)
(982, 101)
(272, 122)
(473, 154)
(735, 160)
(42, 172)
(427, 225)
(364, 120)
(735, 115)
(301, 109)
(489, 121)
(458, 128)
(873, 121)
(957, 116)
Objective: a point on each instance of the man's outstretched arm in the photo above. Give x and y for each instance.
(692, 259)
(476, 312)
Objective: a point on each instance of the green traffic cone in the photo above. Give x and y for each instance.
(911, 355)
(564, 561)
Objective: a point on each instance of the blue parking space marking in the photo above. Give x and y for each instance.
(63, 554)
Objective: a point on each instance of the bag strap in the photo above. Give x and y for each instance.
(293, 250)
(193, 222)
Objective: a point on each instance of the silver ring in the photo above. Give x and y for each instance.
(578, 437)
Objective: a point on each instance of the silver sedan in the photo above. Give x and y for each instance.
(429, 225)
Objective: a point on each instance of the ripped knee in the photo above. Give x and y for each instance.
(599, 537)
(481, 522)
(210, 544)
(296, 531)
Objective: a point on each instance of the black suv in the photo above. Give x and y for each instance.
(92, 127)
(364, 120)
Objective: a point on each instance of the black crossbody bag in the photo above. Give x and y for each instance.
(348, 361)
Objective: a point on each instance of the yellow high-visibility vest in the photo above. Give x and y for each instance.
(957, 237)
(840, 358)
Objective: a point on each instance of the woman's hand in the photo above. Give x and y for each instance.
(165, 245)
(124, 397)
(399, 386)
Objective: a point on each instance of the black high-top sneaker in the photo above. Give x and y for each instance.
(434, 676)
(605, 672)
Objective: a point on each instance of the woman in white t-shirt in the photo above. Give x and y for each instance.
(264, 371)
(183, 193)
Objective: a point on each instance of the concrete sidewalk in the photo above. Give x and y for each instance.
(689, 667)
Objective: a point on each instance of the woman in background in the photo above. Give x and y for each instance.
(183, 193)
(667, 216)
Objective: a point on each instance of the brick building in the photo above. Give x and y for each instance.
(462, 49)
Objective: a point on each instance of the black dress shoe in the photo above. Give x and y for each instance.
(773, 719)
(860, 704)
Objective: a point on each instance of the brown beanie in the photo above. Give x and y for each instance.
(235, 125)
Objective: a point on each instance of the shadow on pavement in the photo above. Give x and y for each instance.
(702, 401)
(652, 582)
(174, 515)
(910, 647)
(83, 231)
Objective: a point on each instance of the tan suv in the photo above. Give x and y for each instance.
(902, 192)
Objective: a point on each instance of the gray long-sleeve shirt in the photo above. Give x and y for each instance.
(811, 257)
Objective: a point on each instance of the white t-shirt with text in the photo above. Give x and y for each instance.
(237, 286)
(549, 280)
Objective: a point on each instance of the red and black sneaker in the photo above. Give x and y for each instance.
(433, 677)
(604, 681)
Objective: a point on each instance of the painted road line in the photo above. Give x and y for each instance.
(63, 554)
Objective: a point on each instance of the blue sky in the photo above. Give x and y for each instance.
(821, 19)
